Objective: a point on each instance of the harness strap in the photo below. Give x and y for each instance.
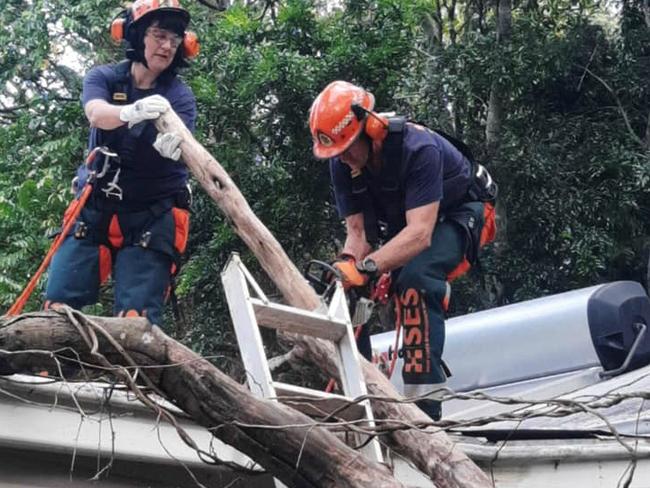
(398, 331)
(390, 176)
(392, 148)
(120, 87)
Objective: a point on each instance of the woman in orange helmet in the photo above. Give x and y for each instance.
(135, 223)
(423, 190)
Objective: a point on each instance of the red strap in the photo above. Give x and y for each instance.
(398, 330)
(72, 214)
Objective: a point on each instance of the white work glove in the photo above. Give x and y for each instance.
(168, 145)
(146, 109)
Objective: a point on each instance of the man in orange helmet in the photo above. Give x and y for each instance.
(432, 201)
(135, 223)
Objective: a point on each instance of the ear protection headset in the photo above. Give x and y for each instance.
(121, 28)
(376, 126)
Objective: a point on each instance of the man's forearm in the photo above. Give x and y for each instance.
(355, 240)
(401, 249)
(411, 240)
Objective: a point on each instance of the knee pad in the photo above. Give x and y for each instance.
(50, 305)
(132, 313)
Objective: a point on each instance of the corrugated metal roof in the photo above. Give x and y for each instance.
(612, 405)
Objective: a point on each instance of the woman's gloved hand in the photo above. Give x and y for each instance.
(148, 108)
(168, 145)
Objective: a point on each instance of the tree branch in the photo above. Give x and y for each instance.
(272, 434)
(11, 110)
(621, 110)
(584, 73)
(646, 141)
(219, 6)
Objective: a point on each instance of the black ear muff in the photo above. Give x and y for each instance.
(359, 112)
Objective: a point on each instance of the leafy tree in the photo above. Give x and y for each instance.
(572, 160)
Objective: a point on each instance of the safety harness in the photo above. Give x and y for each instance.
(110, 196)
(482, 187)
(103, 174)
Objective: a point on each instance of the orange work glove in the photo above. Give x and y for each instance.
(350, 275)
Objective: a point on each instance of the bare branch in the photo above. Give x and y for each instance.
(219, 6)
(584, 73)
(621, 110)
(14, 109)
(277, 361)
(452, 19)
(211, 398)
(646, 141)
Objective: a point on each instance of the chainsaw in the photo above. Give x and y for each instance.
(362, 301)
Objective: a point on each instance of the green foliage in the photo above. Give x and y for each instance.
(40, 151)
(255, 92)
(568, 149)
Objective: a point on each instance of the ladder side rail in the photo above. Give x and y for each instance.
(352, 381)
(346, 348)
(247, 331)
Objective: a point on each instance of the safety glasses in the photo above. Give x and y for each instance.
(161, 36)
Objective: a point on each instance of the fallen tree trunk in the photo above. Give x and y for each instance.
(301, 454)
(432, 452)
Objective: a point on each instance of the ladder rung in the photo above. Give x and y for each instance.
(321, 404)
(298, 321)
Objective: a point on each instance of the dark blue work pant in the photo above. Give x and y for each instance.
(137, 248)
(423, 292)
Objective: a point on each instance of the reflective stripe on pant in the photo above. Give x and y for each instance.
(422, 288)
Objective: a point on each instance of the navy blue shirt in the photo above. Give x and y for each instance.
(432, 170)
(145, 175)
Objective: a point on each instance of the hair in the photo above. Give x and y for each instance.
(165, 20)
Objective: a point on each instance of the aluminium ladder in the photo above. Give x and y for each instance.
(248, 313)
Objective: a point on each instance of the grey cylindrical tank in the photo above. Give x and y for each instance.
(566, 332)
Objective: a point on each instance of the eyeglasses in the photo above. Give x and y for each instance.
(161, 36)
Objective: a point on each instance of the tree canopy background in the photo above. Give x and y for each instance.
(566, 81)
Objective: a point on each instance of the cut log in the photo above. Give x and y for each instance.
(300, 455)
(432, 452)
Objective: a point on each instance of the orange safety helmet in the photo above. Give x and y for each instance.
(140, 8)
(334, 119)
(124, 22)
